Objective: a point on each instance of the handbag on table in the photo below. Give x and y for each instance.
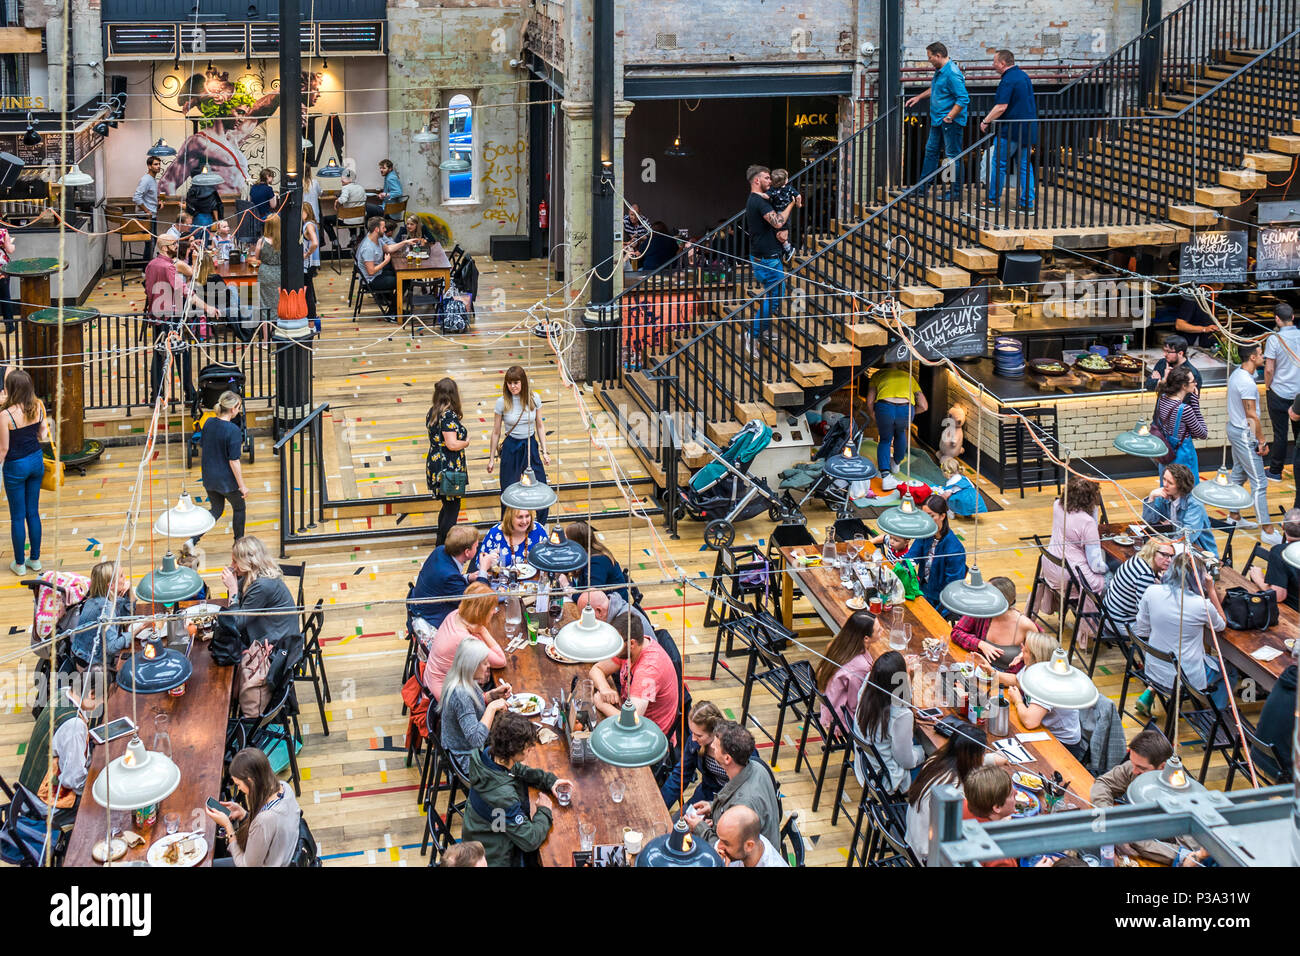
(1246, 610)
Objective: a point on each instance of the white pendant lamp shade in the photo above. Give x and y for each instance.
(1173, 780)
(528, 494)
(1221, 492)
(425, 135)
(1058, 685)
(454, 165)
(206, 178)
(185, 520)
(588, 639)
(75, 177)
(138, 778)
(1291, 554)
(972, 596)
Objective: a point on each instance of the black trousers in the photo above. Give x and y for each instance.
(1284, 430)
(447, 519)
(183, 360)
(217, 505)
(309, 277)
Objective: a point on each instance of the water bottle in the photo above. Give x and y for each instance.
(828, 549)
(514, 617)
(1108, 855)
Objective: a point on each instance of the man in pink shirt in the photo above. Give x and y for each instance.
(166, 296)
(646, 677)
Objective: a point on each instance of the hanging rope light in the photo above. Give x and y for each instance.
(973, 596)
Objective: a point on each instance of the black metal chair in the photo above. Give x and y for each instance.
(456, 782)
(408, 666)
(877, 790)
(1135, 668)
(889, 822)
(835, 739)
(792, 683)
(294, 577)
(728, 594)
(278, 724)
(1107, 631)
(792, 844)
(1258, 551)
(1230, 529)
(1088, 611)
(1263, 753)
(1042, 584)
(23, 833)
(1211, 726)
(312, 666)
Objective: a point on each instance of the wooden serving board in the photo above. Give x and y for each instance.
(1068, 382)
(1095, 381)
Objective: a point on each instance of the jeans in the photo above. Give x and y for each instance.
(770, 273)
(1216, 688)
(1284, 430)
(893, 422)
(515, 457)
(217, 505)
(153, 231)
(1006, 150)
(22, 477)
(1248, 466)
(945, 139)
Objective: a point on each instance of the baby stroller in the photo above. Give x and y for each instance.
(724, 492)
(213, 380)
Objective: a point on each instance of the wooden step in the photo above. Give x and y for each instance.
(810, 374)
(838, 354)
(920, 296)
(1188, 215)
(976, 259)
(868, 334)
(720, 433)
(755, 411)
(1243, 179)
(1217, 196)
(1268, 161)
(1295, 125)
(947, 277)
(1285, 144)
(782, 394)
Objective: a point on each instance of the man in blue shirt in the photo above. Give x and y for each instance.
(948, 100)
(443, 575)
(1173, 503)
(391, 191)
(1017, 133)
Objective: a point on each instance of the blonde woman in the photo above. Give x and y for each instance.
(25, 427)
(108, 586)
(509, 542)
(222, 469)
(470, 619)
(266, 257)
(1064, 724)
(254, 583)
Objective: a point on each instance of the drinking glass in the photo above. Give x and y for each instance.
(172, 822)
(162, 739)
(563, 794)
(900, 636)
(859, 546)
(587, 835)
(617, 788)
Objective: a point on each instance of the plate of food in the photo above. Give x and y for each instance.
(556, 656)
(1123, 539)
(524, 570)
(855, 603)
(526, 705)
(1289, 643)
(178, 849)
(203, 615)
(1126, 363)
(1093, 363)
(1028, 781)
(1048, 366)
(1026, 804)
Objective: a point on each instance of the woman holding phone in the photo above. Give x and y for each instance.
(265, 834)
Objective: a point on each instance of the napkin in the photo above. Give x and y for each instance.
(1033, 737)
(1013, 751)
(545, 736)
(1266, 654)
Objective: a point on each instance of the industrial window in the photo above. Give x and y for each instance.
(458, 161)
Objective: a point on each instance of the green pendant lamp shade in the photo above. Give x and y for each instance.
(138, 778)
(528, 494)
(185, 520)
(906, 520)
(154, 669)
(454, 165)
(1172, 781)
(1058, 685)
(972, 596)
(1221, 492)
(848, 466)
(678, 848)
(557, 554)
(588, 639)
(1140, 442)
(169, 583)
(206, 178)
(331, 170)
(161, 150)
(628, 740)
(425, 135)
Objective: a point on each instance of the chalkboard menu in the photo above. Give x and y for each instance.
(957, 329)
(1215, 257)
(1277, 253)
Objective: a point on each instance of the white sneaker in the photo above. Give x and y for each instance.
(1270, 537)
(888, 482)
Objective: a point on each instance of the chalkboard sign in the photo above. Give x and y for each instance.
(957, 329)
(1277, 253)
(1215, 257)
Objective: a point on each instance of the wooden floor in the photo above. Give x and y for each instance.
(358, 796)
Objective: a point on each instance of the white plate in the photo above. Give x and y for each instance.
(1289, 643)
(1019, 779)
(529, 705)
(556, 656)
(524, 570)
(193, 858)
(856, 604)
(1124, 540)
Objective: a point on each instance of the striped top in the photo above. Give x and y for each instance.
(1126, 588)
(1192, 424)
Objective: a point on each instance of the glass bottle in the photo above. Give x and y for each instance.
(828, 548)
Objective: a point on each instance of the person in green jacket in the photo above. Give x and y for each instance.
(497, 811)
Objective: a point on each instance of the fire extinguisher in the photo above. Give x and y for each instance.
(542, 217)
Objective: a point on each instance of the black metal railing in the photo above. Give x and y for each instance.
(710, 276)
(118, 358)
(302, 478)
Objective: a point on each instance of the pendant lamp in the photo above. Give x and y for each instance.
(185, 520)
(678, 848)
(161, 150)
(331, 170)
(1140, 442)
(677, 150)
(206, 178)
(1058, 685)
(306, 144)
(138, 778)
(588, 639)
(425, 135)
(528, 494)
(169, 583)
(154, 669)
(1172, 781)
(1291, 554)
(850, 466)
(628, 740)
(973, 596)
(557, 554)
(454, 164)
(906, 520)
(74, 177)
(1221, 492)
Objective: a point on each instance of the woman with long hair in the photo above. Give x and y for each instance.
(1076, 535)
(470, 619)
(940, 560)
(1179, 419)
(25, 427)
(109, 587)
(886, 721)
(255, 583)
(518, 412)
(965, 750)
(605, 570)
(448, 440)
(466, 713)
(845, 666)
(510, 541)
(266, 257)
(266, 833)
(310, 260)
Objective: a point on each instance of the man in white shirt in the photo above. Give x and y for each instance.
(1246, 435)
(376, 265)
(146, 201)
(1282, 376)
(741, 842)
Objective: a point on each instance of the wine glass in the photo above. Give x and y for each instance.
(859, 546)
(554, 612)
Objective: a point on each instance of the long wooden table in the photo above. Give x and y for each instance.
(822, 588)
(236, 274)
(436, 266)
(198, 736)
(1238, 646)
(530, 670)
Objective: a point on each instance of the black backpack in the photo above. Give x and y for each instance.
(454, 317)
(227, 644)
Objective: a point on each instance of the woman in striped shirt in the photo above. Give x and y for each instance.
(1179, 418)
(1133, 577)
